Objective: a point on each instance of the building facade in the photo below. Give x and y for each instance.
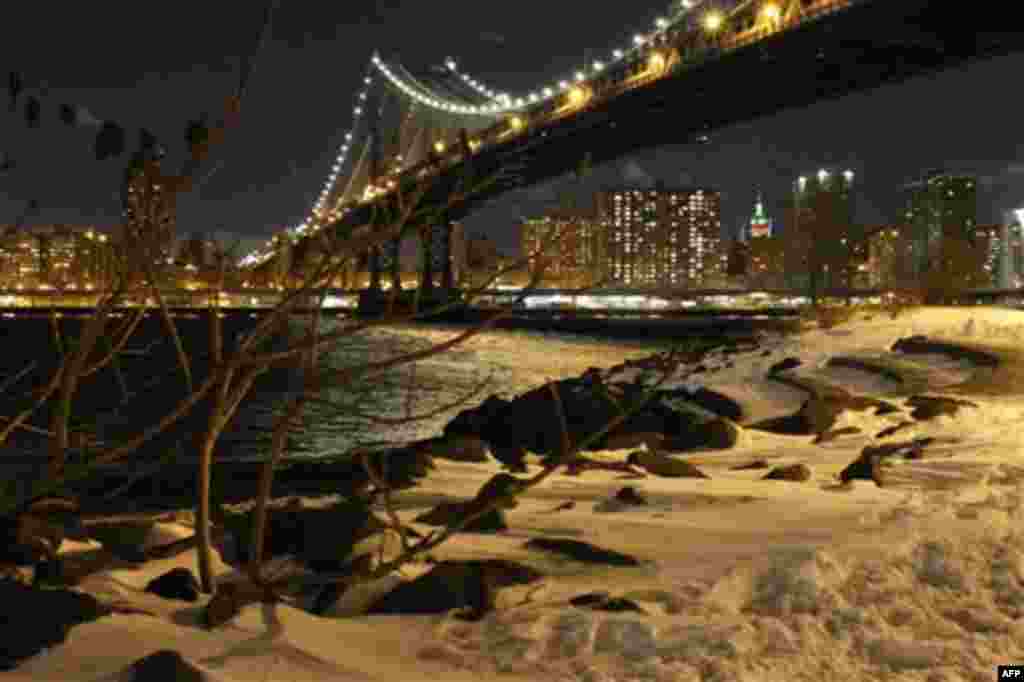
(661, 237)
(938, 206)
(820, 241)
(55, 256)
(570, 242)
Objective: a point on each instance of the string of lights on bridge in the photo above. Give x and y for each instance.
(496, 104)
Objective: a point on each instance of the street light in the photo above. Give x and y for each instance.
(771, 12)
(713, 21)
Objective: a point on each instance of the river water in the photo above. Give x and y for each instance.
(505, 362)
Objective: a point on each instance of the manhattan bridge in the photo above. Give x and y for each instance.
(704, 65)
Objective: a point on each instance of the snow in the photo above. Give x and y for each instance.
(741, 579)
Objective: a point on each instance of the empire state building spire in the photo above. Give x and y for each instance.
(760, 223)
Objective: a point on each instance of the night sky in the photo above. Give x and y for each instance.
(159, 65)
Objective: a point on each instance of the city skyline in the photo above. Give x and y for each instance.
(272, 167)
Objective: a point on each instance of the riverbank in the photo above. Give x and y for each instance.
(912, 577)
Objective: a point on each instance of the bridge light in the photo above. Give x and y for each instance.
(713, 21)
(771, 12)
(822, 175)
(516, 123)
(598, 66)
(548, 92)
(656, 62)
(848, 174)
(580, 76)
(661, 22)
(638, 39)
(617, 54)
(577, 96)
(564, 85)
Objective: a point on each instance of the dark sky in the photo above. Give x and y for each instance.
(157, 65)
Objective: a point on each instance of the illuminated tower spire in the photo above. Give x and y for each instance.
(760, 223)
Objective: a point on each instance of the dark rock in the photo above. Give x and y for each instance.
(512, 456)
(602, 601)
(590, 599)
(827, 436)
(629, 495)
(663, 465)
(165, 665)
(582, 551)
(569, 504)
(456, 448)
(784, 365)
(699, 369)
(765, 353)
(325, 534)
(475, 421)
(451, 585)
(37, 619)
(225, 604)
(890, 430)
(922, 344)
(866, 465)
(756, 464)
(177, 583)
(930, 407)
(885, 408)
(531, 421)
(792, 472)
(448, 513)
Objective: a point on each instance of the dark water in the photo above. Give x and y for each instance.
(118, 402)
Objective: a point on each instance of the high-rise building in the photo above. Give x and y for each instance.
(571, 244)
(889, 257)
(61, 256)
(661, 237)
(820, 239)
(760, 222)
(937, 206)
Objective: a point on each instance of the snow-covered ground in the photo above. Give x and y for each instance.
(742, 579)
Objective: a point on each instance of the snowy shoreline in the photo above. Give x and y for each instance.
(743, 579)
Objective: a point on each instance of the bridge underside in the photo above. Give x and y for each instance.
(867, 45)
(856, 49)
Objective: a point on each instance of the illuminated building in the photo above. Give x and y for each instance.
(820, 243)
(661, 237)
(570, 243)
(936, 206)
(760, 223)
(889, 252)
(60, 256)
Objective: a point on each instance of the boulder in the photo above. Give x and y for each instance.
(468, 585)
(582, 551)
(602, 601)
(629, 495)
(165, 665)
(456, 448)
(929, 407)
(475, 421)
(784, 365)
(177, 583)
(37, 619)
(447, 513)
(792, 472)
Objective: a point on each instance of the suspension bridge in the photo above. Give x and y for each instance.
(704, 65)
